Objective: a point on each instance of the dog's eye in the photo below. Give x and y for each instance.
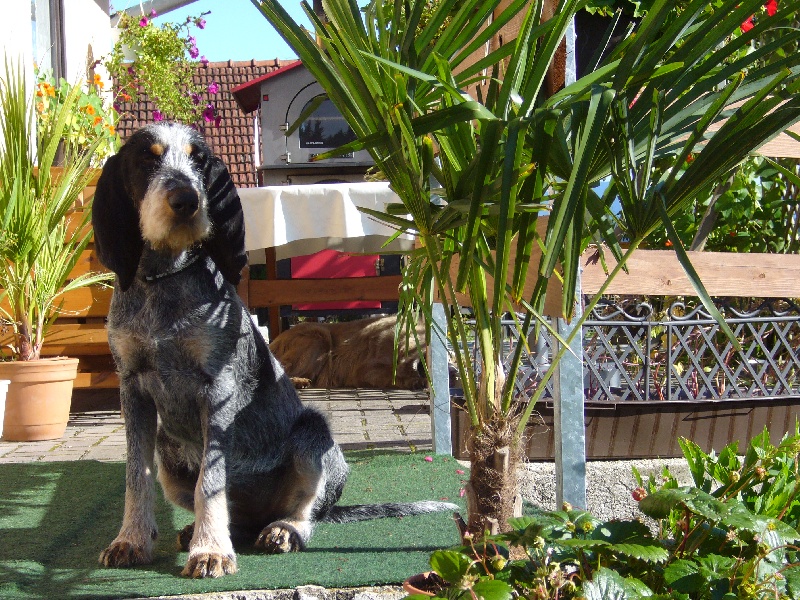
(198, 156)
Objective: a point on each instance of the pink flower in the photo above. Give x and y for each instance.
(143, 22)
(208, 113)
(429, 458)
(153, 13)
(201, 23)
(460, 471)
(196, 98)
(461, 492)
(194, 52)
(213, 87)
(157, 116)
(204, 61)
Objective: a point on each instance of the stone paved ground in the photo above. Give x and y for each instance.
(360, 419)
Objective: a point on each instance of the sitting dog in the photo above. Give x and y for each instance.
(352, 354)
(201, 393)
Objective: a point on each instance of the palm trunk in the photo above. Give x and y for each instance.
(492, 492)
(28, 348)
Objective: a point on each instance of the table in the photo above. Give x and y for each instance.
(304, 219)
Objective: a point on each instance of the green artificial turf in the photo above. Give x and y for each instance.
(55, 518)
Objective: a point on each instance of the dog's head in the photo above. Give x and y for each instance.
(165, 188)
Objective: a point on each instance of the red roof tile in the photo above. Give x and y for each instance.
(233, 140)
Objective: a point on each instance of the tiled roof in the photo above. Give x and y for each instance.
(233, 140)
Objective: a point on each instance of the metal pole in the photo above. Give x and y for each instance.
(440, 384)
(570, 432)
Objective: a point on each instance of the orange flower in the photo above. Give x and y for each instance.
(111, 129)
(125, 97)
(668, 243)
(98, 81)
(89, 110)
(40, 107)
(97, 121)
(45, 89)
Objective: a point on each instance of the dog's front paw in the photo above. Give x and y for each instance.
(209, 564)
(124, 553)
(279, 538)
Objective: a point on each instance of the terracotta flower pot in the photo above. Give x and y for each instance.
(3, 390)
(427, 584)
(38, 398)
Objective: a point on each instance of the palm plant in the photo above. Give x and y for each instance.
(475, 173)
(39, 245)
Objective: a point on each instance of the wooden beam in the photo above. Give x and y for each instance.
(279, 292)
(104, 380)
(658, 273)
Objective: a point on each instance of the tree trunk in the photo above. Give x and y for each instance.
(492, 492)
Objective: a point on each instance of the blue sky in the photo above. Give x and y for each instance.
(235, 29)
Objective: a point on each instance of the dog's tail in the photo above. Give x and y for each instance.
(366, 512)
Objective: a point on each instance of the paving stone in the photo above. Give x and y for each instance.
(359, 419)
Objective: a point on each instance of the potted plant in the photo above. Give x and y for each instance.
(43, 170)
(159, 61)
(476, 153)
(733, 534)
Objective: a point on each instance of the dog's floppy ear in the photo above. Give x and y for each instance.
(226, 244)
(117, 237)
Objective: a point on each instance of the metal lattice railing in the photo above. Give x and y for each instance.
(634, 350)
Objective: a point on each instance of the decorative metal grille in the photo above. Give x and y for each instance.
(637, 350)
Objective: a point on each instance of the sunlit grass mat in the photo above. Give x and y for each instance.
(55, 518)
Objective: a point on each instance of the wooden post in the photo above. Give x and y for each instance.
(274, 312)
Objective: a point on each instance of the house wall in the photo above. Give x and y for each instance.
(273, 112)
(15, 32)
(87, 30)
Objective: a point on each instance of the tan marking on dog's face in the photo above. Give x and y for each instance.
(187, 149)
(157, 149)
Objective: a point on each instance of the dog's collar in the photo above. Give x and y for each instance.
(193, 258)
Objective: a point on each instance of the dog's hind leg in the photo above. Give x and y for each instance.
(134, 544)
(307, 486)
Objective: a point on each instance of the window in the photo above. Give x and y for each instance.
(47, 29)
(325, 127)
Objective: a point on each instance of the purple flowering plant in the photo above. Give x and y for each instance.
(159, 61)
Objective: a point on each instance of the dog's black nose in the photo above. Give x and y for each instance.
(184, 203)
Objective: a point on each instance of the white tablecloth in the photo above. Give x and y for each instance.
(303, 219)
